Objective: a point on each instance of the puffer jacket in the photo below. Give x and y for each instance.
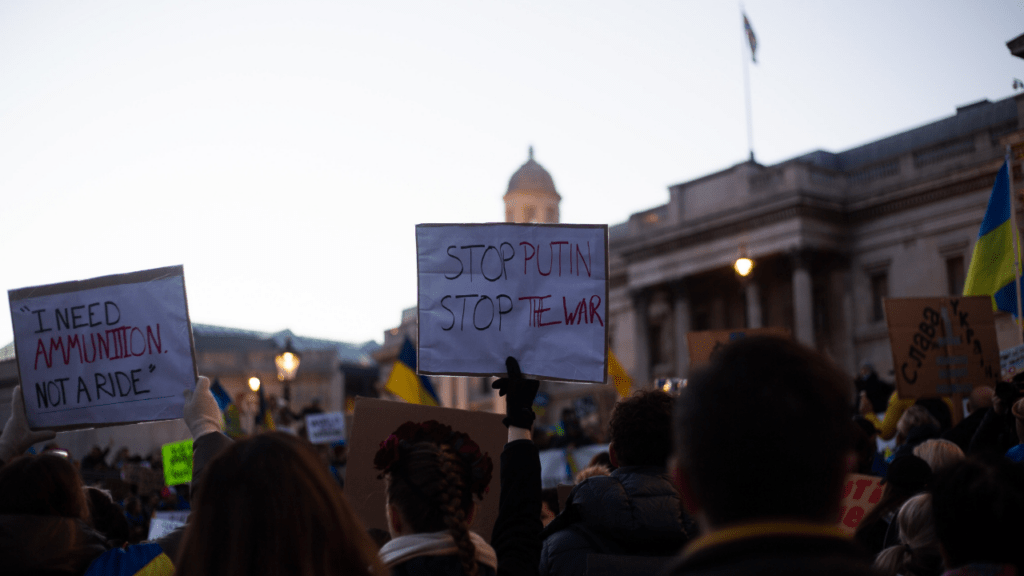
(634, 515)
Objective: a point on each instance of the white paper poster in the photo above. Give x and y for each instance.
(326, 428)
(535, 292)
(116, 349)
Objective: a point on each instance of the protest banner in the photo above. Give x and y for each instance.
(177, 462)
(110, 350)
(861, 494)
(326, 428)
(1011, 362)
(164, 522)
(942, 346)
(705, 343)
(374, 420)
(538, 293)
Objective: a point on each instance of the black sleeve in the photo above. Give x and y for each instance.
(987, 436)
(516, 535)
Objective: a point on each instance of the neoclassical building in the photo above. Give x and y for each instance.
(832, 234)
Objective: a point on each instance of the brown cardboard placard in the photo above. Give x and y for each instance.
(861, 494)
(374, 420)
(105, 351)
(703, 344)
(942, 346)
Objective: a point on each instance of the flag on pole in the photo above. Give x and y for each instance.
(992, 270)
(623, 383)
(404, 383)
(751, 38)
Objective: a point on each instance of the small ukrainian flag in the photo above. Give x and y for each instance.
(992, 271)
(404, 383)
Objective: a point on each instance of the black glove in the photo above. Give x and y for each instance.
(519, 393)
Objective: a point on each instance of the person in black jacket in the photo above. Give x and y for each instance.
(632, 520)
(762, 441)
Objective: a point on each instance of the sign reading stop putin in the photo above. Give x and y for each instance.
(536, 292)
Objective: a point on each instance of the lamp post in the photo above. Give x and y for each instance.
(287, 367)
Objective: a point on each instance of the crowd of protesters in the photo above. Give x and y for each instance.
(741, 473)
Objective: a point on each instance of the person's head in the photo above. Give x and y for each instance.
(591, 471)
(939, 454)
(44, 485)
(980, 398)
(641, 430)
(864, 433)
(918, 553)
(867, 369)
(431, 474)
(765, 408)
(978, 506)
(548, 505)
(107, 517)
(267, 506)
(916, 416)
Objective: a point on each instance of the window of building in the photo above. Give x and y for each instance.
(955, 275)
(879, 292)
(530, 213)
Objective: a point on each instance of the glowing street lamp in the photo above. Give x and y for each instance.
(287, 366)
(254, 383)
(743, 266)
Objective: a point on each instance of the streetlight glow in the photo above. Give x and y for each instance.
(743, 266)
(254, 383)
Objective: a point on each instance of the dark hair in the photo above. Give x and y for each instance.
(641, 429)
(430, 485)
(44, 485)
(107, 516)
(550, 496)
(771, 409)
(978, 506)
(268, 506)
(601, 459)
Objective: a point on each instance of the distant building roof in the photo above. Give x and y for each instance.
(532, 177)
(968, 119)
(210, 337)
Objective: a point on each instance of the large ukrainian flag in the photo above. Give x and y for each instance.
(992, 265)
(404, 382)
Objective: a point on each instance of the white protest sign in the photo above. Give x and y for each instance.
(326, 428)
(535, 292)
(110, 350)
(163, 523)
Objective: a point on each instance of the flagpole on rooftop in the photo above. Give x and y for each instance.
(1016, 243)
(752, 41)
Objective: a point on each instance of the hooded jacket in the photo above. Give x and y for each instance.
(635, 512)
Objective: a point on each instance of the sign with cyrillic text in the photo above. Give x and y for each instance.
(326, 428)
(702, 345)
(110, 350)
(535, 292)
(861, 494)
(177, 462)
(942, 346)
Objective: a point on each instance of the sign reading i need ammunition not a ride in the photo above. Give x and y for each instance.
(110, 350)
(942, 346)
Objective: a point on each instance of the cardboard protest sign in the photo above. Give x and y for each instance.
(861, 494)
(535, 292)
(942, 346)
(111, 350)
(326, 428)
(1011, 361)
(703, 344)
(374, 420)
(177, 462)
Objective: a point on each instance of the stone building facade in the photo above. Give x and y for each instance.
(831, 234)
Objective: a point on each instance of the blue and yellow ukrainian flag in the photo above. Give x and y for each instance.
(992, 265)
(404, 382)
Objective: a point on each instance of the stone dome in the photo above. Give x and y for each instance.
(532, 177)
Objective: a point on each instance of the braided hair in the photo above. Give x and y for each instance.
(430, 485)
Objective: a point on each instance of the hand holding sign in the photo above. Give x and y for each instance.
(201, 411)
(17, 437)
(520, 394)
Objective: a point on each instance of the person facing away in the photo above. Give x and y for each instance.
(268, 506)
(763, 438)
(632, 519)
(431, 474)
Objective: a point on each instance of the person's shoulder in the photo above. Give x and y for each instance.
(148, 558)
